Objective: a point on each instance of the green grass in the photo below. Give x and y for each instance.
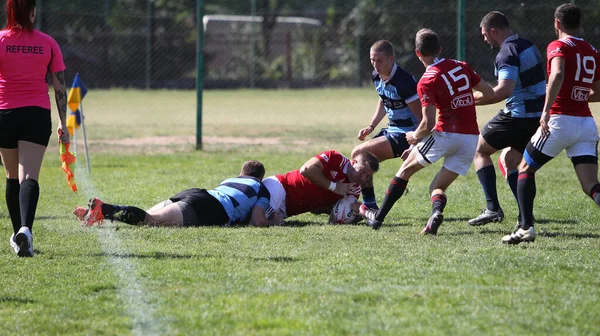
(308, 278)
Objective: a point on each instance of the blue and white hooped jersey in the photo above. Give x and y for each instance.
(395, 93)
(239, 195)
(519, 60)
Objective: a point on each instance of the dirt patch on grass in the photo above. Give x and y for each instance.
(176, 143)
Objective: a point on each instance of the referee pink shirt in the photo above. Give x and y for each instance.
(25, 58)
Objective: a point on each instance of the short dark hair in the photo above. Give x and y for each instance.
(569, 16)
(494, 19)
(427, 42)
(383, 46)
(369, 159)
(253, 168)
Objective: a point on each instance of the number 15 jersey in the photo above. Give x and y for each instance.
(581, 71)
(448, 85)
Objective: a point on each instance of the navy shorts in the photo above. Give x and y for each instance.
(505, 131)
(200, 208)
(396, 139)
(30, 123)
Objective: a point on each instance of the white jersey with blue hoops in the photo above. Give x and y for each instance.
(396, 92)
(519, 60)
(239, 195)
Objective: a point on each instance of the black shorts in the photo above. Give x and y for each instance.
(396, 139)
(505, 131)
(30, 123)
(200, 208)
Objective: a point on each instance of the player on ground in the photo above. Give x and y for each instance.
(320, 182)
(398, 100)
(233, 201)
(447, 85)
(566, 122)
(521, 81)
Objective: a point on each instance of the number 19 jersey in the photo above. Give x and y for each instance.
(581, 71)
(448, 85)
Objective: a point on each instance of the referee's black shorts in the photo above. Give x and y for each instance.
(29, 123)
(505, 131)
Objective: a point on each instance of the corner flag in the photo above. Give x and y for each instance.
(78, 91)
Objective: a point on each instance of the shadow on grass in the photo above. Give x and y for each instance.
(155, 255)
(16, 300)
(570, 235)
(555, 221)
(281, 259)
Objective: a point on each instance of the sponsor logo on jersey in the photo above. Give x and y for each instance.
(462, 101)
(333, 173)
(555, 51)
(392, 103)
(325, 157)
(580, 94)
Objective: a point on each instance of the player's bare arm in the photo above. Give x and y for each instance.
(60, 94)
(502, 91)
(425, 126)
(313, 171)
(555, 81)
(595, 94)
(375, 120)
(415, 108)
(258, 217)
(485, 91)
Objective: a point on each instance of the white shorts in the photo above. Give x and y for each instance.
(277, 195)
(578, 135)
(457, 149)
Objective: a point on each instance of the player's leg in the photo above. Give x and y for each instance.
(384, 145)
(459, 152)
(425, 153)
(584, 157)
(542, 148)
(98, 211)
(159, 206)
(171, 215)
(393, 193)
(495, 135)
(437, 190)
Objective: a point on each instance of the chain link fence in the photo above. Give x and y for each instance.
(273, 44)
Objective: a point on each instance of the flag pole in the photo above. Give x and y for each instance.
(87, 155)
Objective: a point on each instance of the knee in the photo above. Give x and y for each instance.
(357, 150)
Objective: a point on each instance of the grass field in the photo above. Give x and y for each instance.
(307, 278)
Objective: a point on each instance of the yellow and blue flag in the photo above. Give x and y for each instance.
(78, 91)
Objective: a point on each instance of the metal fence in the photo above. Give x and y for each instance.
(152, 43)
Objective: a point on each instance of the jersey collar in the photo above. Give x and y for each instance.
(573, 37)
(510, 38)
(392, 73)
(435, 62)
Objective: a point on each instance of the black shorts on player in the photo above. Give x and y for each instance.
(505, 131)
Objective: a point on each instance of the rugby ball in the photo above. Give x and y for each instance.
(342, 212)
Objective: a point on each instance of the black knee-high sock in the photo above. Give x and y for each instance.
(512, 177)
(12, 202)
(29, 195)
(487, 178)
(595, 193)
(126, 214)
(438, 203)
(393, 193)
(526, 196)
(368, 195)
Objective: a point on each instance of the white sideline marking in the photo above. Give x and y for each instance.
(137, 301)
